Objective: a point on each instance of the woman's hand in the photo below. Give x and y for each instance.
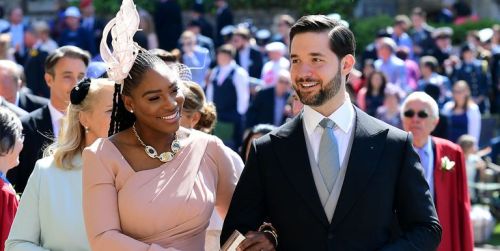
(257, 241)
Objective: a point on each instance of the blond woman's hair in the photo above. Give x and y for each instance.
(71, 140)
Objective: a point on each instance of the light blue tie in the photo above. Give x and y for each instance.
(328, 158)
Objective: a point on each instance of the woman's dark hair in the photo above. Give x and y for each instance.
(10, 130)
(369, 86)
(121, 118)
(257, 129)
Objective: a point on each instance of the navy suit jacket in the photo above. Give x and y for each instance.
(261, 110)
(384, 181)
(256, 63)
(30, 102)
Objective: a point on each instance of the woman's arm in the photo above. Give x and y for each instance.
(100, 207)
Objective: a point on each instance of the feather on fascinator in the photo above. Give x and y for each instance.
(121, 57)
(122, 27)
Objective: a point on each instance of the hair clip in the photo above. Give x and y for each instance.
(80, 91)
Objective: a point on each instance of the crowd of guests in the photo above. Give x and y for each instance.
(55, 94)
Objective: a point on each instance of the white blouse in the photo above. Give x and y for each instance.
(50, 215)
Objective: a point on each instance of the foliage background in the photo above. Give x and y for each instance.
(343, 7)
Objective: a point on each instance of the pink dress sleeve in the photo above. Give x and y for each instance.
(100, 203)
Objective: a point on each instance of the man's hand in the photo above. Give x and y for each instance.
(257, 241)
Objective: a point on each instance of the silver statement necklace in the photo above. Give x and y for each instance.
(152, 153)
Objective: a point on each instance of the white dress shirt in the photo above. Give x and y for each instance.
(56, 117)
(244, 57)
(50, 214)
(343, 118)
(240, 81)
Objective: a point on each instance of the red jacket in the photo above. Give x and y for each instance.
(452, 198)
(8, 208)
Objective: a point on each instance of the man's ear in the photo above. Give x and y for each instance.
(127, 102)
(347, 64)
(49, 79)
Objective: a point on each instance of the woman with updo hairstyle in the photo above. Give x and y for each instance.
(152, 185)
(50, 214)
(196, 112)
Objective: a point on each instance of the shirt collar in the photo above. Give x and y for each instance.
(3, 176)
(428, 146)
(343, 117)
(55, 114)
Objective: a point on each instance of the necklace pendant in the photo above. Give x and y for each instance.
(176, 146)
(151, 152)
(166, 156)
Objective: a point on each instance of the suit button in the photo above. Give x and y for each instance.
(330, 236)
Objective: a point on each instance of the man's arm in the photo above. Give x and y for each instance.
(414, 207)
(246, 211)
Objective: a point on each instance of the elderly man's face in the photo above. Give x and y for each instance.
(418, 119)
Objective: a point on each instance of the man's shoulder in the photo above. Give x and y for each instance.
(34, 116)
(446, 145)
(374, 125)
(37, 100)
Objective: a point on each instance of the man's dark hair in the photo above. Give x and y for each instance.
(67, 51)
(342, 40)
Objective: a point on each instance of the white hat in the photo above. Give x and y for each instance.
(276, 46)
(485, 34)
(72, 11)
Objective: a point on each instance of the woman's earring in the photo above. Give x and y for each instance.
(131, 111)
(86, 130)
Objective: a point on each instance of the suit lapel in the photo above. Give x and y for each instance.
(366, 149)
(43, 122)
(439, 187)
(290, 147)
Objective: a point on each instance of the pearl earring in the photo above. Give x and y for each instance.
(131, 111)
(86, 130)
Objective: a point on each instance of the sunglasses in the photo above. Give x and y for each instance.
(421, 114)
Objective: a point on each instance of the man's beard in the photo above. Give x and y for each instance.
(326, 92)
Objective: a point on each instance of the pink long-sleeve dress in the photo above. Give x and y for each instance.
(165, 208)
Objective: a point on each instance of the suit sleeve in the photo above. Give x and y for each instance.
(414, 207)
(247, 210)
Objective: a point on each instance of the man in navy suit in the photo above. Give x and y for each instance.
(346, 198)
(247, 56)
(64, 68)
(269, 104)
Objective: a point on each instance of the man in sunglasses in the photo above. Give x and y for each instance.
(444, 170)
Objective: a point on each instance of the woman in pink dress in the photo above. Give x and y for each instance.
(152, 185)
